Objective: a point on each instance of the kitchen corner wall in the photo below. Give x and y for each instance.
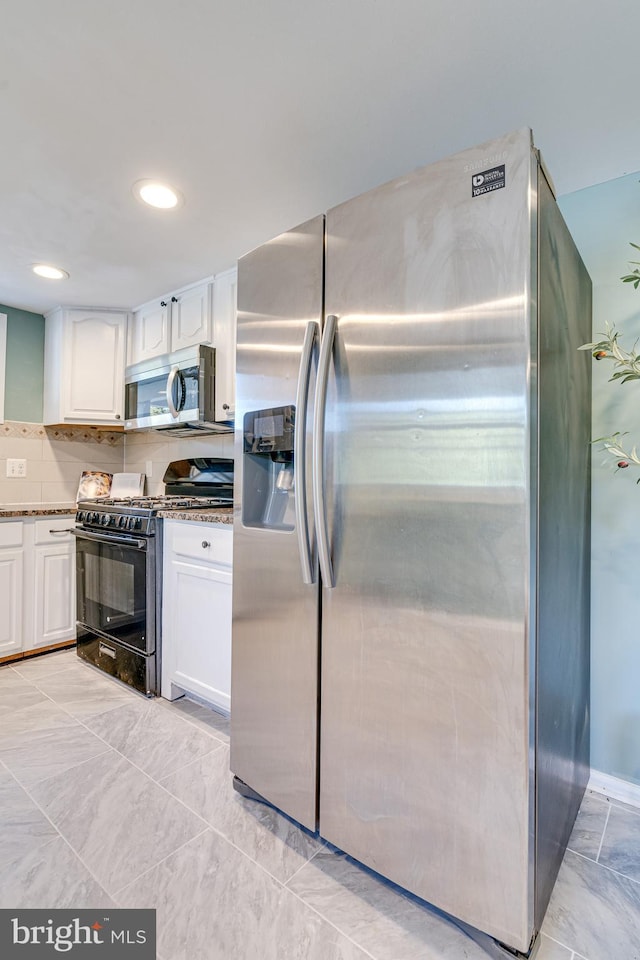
(56, 457)
(143, 449)
(24, 365)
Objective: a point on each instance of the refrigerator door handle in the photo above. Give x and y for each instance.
(300, 455)
(319, 486)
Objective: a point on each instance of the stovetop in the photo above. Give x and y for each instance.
(137, 514)
(149, 506)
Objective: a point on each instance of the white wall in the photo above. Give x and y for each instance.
(615, 574)
(603, 220)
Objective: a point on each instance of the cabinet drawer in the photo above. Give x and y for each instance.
(54, 529)
(11, 533)
(188, 538)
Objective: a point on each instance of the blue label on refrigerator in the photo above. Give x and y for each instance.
(487, 181)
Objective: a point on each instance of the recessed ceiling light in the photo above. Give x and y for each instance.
(157, 194)
(51, 273)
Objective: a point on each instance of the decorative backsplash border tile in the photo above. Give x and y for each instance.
(36, 431)
(15, 428)
(86, 435)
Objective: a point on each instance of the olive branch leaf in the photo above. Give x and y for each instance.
(626, 367)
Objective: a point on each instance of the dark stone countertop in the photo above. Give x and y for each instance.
(208, 515)
(36, 510)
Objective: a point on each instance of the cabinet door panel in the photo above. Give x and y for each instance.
(197, 632)
(150, 332)
(11, 577)
(94, 363)
(224, 339)
(191, 317)
(54, 595)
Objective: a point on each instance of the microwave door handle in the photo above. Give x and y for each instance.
(300, 453)
(173, 410)
(319, 483)
(183, 391)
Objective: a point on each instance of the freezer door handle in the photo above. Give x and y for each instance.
(319, 485)
(300, 456)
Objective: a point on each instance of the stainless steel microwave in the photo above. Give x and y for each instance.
(176, 393)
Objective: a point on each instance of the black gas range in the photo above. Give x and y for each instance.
(119, 569)
(137, 514)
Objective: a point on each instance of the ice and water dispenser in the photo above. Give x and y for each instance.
(267, 477)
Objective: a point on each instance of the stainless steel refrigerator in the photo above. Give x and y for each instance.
(411, 533)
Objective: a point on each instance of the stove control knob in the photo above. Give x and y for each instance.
(104, 519)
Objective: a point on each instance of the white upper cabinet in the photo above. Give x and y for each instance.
(191, 317)
(225, 288)
(177, 320)
(84, 357)
(150, 331)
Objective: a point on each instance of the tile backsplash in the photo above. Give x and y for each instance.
(151, 449)
(56, 457)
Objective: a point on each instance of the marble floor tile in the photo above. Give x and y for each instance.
(51, 876)
(377, 915)
(589, 826)
(155, 740)
(280, 846)
(23, 826)
(41, 754)
(46, 664)
(127, 822)
(41, 715)
(551, 950)
(7, 674)
(83, 692)
(204, 717)
(621, 843)
(595, 911)
(212, 902)
(17, 694)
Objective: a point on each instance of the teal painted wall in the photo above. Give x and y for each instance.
(24, 365)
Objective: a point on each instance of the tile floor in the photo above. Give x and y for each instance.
(109, 799)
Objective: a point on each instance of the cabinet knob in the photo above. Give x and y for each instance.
(163, 303)
(174, 299)
(225, 406)
(117, 416)
(205, 544)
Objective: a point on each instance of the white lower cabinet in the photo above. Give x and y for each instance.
(196, 611)
(55, 582)
(11, 579)
(37, 583)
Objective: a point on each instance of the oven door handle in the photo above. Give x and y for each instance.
(109, 538)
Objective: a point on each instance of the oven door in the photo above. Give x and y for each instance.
(115, 579)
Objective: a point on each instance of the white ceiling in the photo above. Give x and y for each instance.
(265, 112)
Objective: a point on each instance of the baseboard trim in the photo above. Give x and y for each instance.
(615, 788)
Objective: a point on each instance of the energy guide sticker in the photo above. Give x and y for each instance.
(488, 181)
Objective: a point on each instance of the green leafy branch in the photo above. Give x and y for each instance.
(633, 277)
(608, 348)
(613, 446)
(627, 367)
